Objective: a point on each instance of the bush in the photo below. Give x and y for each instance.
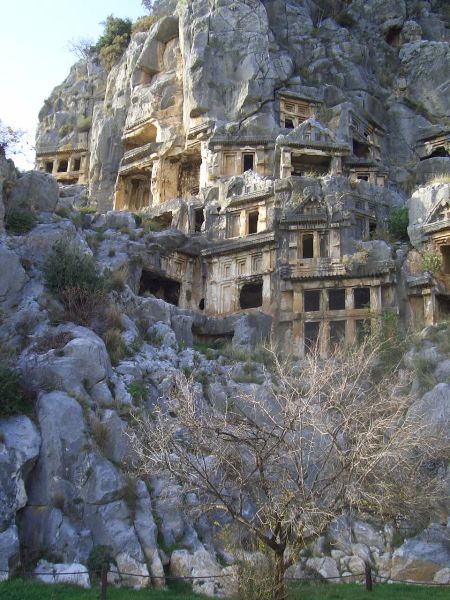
(65, 130)
(19, 221)
(84, 123)
(432, 262)
(143, 23)
(115, 345)
(12, 399)
(98, 556)
(74, 278)
(398, 223)
(68, 267)
(114, 40)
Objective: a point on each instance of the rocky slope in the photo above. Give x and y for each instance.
(65, 482)
(65, 486)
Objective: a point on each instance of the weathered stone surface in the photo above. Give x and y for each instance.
(434, 409)
(83, 363)
(12, 277)
(72, 573)
(325, 566)
(35, 191)
(421, 557)
(19, 448)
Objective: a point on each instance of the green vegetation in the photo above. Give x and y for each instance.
(84, 123)
(65, 130)
(73, 276)
(68, 267)
(138, 390)
(432, 262)
(19, 221)
(425, 373)
(97, 556)
(25, 590)
(143, 23)
(398, 223)
(12, 399)
(112, 44)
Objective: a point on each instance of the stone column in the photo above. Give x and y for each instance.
(429, 307)
(375, 299)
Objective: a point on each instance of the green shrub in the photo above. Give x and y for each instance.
(398, 223)
(425, 373)
(12, 399)
(65, 130)
(432, 262)
(138, 390)
(74, 278)
(98, 556)
(19, 221)
(143, 23)
(84, 123)
(68, 267)
(114, 40)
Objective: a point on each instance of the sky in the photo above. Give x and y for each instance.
(34, 57)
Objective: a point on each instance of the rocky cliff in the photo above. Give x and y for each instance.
(257, 155)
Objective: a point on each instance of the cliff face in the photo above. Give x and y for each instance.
(222, 65)
(253, 151)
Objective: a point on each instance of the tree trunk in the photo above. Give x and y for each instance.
(279, 589)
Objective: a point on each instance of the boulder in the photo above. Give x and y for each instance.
(36, 191)
(12, 278)
(118, 219)
(71, 573)
(82, 363)
(433, 409)
(9, 551)
(326, 567)
(420, 558)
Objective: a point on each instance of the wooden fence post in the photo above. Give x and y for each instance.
(368, 574)
(104, 581)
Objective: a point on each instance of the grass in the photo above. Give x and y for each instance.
(385, 591)
(22, 590)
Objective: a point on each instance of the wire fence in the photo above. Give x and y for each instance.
(369, 577)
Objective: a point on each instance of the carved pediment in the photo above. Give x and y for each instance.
(310, 131)
(439, 212)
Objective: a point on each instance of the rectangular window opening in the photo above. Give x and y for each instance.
(311, 336)
(49, 167)
(336, 299)
(337, 333)
(362, 329)
(308, 245)
(199, 219)
(77, 164)
(445, 251)
(253, 222)
(63, 166)
(233, 225)
(248, 162)
(311, 300)
(289, 123)
(361, 297)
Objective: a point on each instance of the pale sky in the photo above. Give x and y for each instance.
(34, 56)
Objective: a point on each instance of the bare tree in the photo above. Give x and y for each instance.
(10, 138)
(81, 47)
(334, 435)
(148, 4)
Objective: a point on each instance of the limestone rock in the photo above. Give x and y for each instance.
(421, 557)
(325, 566)
(12, 277)
(83, 361)
(71, 573)
(35, 191)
